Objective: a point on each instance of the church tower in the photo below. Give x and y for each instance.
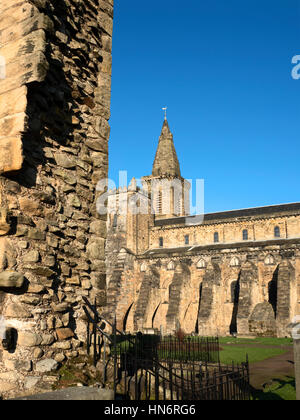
(168, 189)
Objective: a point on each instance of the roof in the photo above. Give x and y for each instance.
(233, 215)
(166, 161)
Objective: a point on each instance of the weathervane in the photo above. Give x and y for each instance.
(165, 109)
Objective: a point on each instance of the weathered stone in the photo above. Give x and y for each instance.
(42, 271)
(60, 357)
(60, 308)
(31, 381)
(14, 310)
(4, 225)
(47, 339)
(11, 156)
(35, 288)
(47, 365)
(11, 279)
(29, 339)
(74, 281)
(65, 161)
(64, 334)
(32, 256)
(95, 249)
(37, 353)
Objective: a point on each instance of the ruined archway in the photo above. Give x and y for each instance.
(235, 296)
(273, 291)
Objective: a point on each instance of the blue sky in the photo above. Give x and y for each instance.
(223, 68)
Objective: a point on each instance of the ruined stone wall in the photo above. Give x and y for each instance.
(249, 291)
(54, 131)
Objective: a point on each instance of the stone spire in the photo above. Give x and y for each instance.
(166, 162)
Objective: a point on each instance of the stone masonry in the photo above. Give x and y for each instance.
(236, 272)
(54, 131)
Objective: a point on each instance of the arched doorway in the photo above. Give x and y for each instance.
(272, 291)
(235, 295)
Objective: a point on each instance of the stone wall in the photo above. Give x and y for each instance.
(54, 131)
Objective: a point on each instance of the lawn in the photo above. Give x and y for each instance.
(258, 349)
(278, 389)
(255, 354)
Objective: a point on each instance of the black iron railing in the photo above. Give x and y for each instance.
(147, 367)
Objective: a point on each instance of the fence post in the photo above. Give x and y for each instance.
(297, 367)
(171, 379)
(156, 381)
(115, 355)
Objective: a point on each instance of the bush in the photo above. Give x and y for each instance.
(180, 335)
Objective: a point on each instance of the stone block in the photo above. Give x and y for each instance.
(47, 365)
(11, 154)
(11, 279)
(64, 334)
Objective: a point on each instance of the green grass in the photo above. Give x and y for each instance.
(259, 340)
(255, 354)
(278, 389)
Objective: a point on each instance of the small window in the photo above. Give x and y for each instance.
(115, 221)
(235, 262)
(161, 242)
(216, 237)
(171, 266)
(245, 235)
(277, 232)
(187, 240)
(201, 263)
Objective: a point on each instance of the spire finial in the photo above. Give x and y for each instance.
(165, 109)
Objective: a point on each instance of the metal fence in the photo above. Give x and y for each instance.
(147, 367)
(169, 348)
(178, 382)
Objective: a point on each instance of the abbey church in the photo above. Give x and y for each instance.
(233, 272)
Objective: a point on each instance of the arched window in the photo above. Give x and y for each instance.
(201, 263)
(277, 232)
(270, 260)
(115, 221)
(171, 265)
(186, 239)
(161, 242)
(143, 267)
(216, 237)
(235, 262)
(245, 235)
